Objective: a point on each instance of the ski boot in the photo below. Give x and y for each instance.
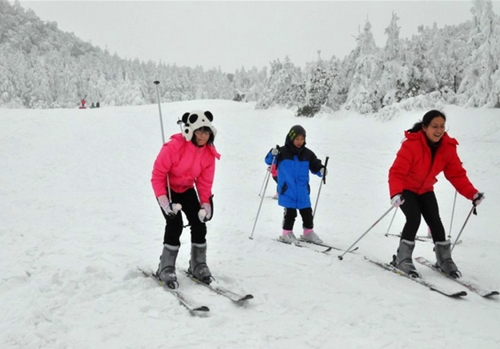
(198, 264)
(311, 236)
(166, 268)
(288, 237)
(403, 261)
(444, 261)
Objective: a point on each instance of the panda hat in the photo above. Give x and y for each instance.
(195, 120)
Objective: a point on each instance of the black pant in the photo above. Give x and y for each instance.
(174, 225)
(290, 214)
(417, 206)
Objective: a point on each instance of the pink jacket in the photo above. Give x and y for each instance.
(187, 165)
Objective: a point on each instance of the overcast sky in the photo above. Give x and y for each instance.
(232, 34)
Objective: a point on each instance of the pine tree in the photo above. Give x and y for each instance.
(364, 94)
(318, 84)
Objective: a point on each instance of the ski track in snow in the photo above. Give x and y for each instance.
(78, 215)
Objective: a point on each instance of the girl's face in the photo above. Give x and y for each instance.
(435, 130)
(202, 136)
(299, 141)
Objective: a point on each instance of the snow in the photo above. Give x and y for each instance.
(78, 215)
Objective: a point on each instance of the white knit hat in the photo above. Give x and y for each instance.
(194, 120)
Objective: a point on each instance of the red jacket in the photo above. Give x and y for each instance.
(414, 170)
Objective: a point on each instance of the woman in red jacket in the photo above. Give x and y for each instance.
(426, 152)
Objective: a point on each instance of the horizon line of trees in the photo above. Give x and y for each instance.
(43, 67)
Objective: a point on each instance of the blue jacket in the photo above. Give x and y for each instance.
(293, 166)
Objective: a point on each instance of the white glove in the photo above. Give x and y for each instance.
(168, 208)
(275, 151)
(397, 200)
(205, 213)
(478, 198)
(323, 171)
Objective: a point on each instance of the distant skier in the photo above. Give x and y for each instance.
(426, 152)
(82, 106)
(294, 161)
(186, 162)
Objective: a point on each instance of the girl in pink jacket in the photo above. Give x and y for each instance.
(182, 180)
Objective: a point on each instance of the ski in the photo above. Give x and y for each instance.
(308, 246)
(419, 238)
(474, 288)
(193, 310)
(329, 247)
(420, 281)
(235, 297)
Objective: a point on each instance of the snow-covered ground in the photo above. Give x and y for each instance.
(78, 215)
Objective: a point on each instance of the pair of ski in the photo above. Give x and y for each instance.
(193, 309)
(422, 238)
(469, 285)
(310, 244)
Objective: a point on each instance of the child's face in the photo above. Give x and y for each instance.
(299, 141)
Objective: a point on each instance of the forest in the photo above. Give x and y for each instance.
(44, 67)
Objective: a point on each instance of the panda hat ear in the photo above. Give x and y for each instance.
(196, 119)
(185, 118)
(209, 116)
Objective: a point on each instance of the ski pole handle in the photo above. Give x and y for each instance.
(326, 164)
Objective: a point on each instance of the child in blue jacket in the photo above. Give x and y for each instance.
(294, 161)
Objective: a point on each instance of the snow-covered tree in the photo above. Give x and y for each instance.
(364, 94)
(284, 87)
(318, 84)
(391, 63)
(477, 84)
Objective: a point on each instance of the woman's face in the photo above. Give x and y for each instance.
(202, 136)
(435, 130)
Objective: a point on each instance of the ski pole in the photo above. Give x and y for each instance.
(263, 182)
(341, 257)
(159, 109)
(452, 214)
(461, 230)
(323, 180)
(268, 174)
(163, 139)
(390, 225)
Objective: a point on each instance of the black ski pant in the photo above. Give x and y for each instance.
(291, 213)
(417, 206)
(174, 225)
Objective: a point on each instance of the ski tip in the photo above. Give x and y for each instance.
(245, 298)
(203, 308)
(491, 294)
(459, 294)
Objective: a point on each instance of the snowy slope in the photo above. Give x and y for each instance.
(78, 215)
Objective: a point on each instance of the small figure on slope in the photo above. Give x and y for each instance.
(186, 162)
(294, 161)
(426, 152)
